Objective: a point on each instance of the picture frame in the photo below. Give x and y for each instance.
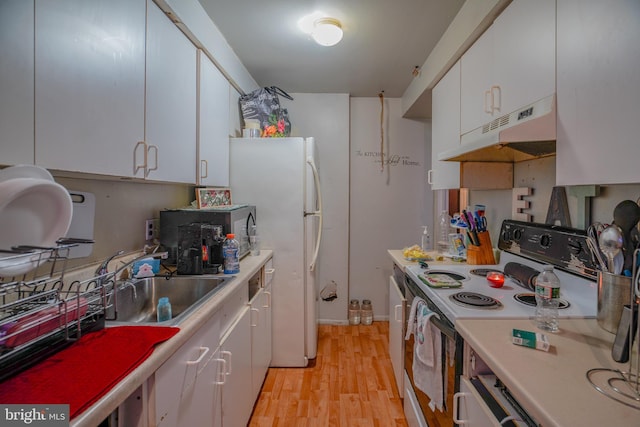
(209, 197)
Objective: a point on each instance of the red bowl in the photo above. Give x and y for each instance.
(495, 279)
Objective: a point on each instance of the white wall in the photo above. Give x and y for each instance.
(540, 176)
(326, 118)
(388, 206)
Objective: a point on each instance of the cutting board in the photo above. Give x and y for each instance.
(84, 208)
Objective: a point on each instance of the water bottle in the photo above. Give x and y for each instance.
(230, 254)
(354, 312)
(547, 299)
(444, 224)
(164, 309)
(366, 312)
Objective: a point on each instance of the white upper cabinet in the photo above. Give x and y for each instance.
(598, 92)
(445, 129)
(170, 131)
(476, 81)
(89, 79)
(213, 124)
(525, 53)
(16, 82)
(511, 65)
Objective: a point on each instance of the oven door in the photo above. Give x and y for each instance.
(451, 365)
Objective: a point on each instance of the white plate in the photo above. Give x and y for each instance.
(34, 212)
(25, 171)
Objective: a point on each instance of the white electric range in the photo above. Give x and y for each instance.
(523, 245)
(580, 293)
(520, 242)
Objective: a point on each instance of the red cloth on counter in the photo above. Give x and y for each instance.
(82, 373)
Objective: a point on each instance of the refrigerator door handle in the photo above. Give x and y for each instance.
(318, 213)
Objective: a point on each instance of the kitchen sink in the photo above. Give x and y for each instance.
(136, 300)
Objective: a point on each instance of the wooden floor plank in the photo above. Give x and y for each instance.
(350, 384)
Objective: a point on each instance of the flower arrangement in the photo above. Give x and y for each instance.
(275, 128)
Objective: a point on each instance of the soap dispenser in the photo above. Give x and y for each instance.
(426, 241)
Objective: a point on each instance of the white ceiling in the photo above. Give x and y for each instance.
(383, 41)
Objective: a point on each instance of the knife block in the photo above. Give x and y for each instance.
(482, 254)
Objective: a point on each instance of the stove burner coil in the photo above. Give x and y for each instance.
(475, 300)
(530, 299)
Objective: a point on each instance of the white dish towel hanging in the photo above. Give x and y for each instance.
(427, 355)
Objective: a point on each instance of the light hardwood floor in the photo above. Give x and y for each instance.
(350, 384)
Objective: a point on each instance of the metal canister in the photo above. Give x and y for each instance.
(614, 291)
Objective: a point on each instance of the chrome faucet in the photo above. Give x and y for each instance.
(102, 272)
(102, 268)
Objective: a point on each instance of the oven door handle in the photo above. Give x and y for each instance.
(456, 397)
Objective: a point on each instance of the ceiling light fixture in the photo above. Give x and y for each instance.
(327, 31)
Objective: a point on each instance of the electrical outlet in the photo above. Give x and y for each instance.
(151, 229)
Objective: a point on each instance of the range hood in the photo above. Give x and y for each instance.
(525, 134)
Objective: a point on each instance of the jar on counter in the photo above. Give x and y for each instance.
(366, 312)
(354, 312)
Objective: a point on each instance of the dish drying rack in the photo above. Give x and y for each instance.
(624, 386)
(39, 316)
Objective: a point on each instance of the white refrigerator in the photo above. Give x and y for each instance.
(280, 177)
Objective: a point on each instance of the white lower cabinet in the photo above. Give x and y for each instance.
(236, 391)
(203, 407)
(185, 385)
(397, 304)
(260, 338)
(412, 411)
(211, 379)
(469, 408)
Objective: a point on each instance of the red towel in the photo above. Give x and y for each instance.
(82, 373)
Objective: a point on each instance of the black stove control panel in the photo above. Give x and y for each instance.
(563, 247)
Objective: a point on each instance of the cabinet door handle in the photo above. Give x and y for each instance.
(155, 164)
(136, 166)
(204, 351)
(487, 105)
(430, 177)
(395, 313)
(204, 166)
(268, 295)
(220, 373)
(227, 362)
(255, 310)
(456, 398)
(495, 106)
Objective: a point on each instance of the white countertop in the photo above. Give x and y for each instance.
(249, 265)
(552, 386)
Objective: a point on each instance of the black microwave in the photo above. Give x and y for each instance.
(235, 219)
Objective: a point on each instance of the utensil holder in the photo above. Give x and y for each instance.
(482, 254)
(614, 291)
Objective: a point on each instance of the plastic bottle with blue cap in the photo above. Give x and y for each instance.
(164, 309)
